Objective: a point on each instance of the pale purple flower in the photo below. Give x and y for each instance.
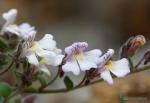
(78, 60)
(119, 68)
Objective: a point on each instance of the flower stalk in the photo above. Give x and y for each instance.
(64, 90)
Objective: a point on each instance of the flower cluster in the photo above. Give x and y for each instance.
(44, 52)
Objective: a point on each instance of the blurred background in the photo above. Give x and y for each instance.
(103, 24)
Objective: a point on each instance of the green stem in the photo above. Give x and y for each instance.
(63, 90)
(138, 64)
(50, 82)
(9, 67)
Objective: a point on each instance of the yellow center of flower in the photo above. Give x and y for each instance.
(109, 65)
(34, 46)
(79, 56)
(42, 60)
(142, 41)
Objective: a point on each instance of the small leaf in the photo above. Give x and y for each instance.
(3, 44)
(18, 76)
(14, 100)
(25, 64)
(41, 79)
(5, 90)
(68, 83)
(4, 61)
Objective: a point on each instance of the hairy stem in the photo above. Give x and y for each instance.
(84, 78)
(138, 64)
(9, 67)
(50, 82)
(63, 90)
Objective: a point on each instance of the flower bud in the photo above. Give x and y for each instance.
(132, 45)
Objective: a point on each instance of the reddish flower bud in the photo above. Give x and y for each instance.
(132, 45)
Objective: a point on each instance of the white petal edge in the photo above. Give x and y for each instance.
(13, 29)
(32, 59)
(86, 65)
(93, 55)
(44, 69)
(105, 74)
(95, 52)
(120, 68)
(58, 60)
(47, 42)
(10, 16)
(71, 67)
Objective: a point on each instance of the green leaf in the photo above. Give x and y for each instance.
(5, 90)
(3, 60)
(18, 76)
(25, 64)
(3, 44)
(68, 82)
(41, 79)
(14, 100)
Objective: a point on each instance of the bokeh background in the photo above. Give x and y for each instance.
(103, 24)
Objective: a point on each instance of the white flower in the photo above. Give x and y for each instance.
(21, 31)
(119, 68)
(44, 52)
(77, 60)
(10, 18)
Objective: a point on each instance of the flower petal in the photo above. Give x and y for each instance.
(86, 65)
(105, 74)
(10, 16)
(71, 66)
(47, 42)
(93, 55)
(32, 59)
(58, 60)
(44, 69)
(75, 48)
(120, 68)
(25, 28)
(50, 57)
(14, 29)
(95, 52)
